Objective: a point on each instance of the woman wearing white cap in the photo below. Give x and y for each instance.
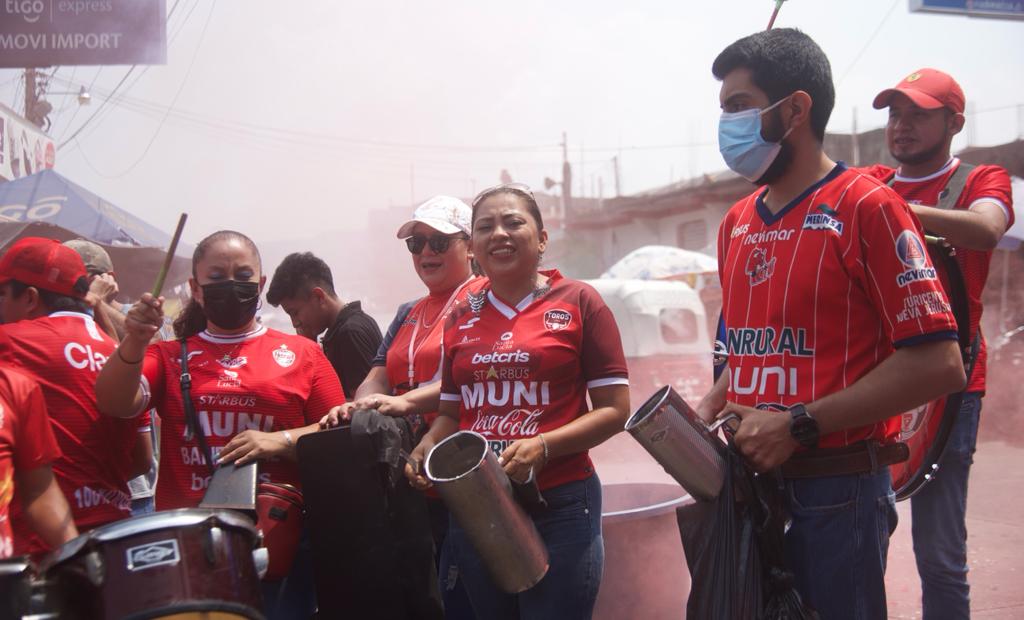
(437, 236)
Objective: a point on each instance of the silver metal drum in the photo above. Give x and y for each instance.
(681, 442)
(479, 495)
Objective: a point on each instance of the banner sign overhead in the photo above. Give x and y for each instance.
(24, 149)
(1001, 9)
(44, 33)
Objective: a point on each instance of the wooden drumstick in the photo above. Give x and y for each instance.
(775, 13)
(158, 287)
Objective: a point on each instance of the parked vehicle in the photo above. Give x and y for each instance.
(664, 336)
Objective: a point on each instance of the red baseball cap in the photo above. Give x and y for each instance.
(927, 88)
(45, 264)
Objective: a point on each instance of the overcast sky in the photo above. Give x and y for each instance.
(286, 119)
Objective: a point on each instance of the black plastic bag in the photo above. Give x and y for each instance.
(723, 557)
(734, 550)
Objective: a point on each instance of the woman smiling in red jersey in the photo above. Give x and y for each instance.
(519, 362)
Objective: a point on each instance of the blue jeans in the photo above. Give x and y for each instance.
(294, 597)
(838, 541)
(938, 513)
(453, 592)
(571, 529)
(143, 506)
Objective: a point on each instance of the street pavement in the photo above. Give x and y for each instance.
(995, 530)
(995, 523)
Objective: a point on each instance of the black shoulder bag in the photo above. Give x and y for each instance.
(194, 428)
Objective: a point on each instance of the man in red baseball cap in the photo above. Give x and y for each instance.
(48, 335)
(971, 207)
(45, 265)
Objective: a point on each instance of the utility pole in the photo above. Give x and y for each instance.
(566, 179)
(854, 141)
(412, 184)
(583, 174)
(30, 97)
(618, 180)
(970, 123)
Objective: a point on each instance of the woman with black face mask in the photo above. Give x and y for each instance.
(255, 390)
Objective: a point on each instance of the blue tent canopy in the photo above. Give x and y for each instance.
(46, 204)
(49, 198)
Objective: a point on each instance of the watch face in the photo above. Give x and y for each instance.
(804, 429)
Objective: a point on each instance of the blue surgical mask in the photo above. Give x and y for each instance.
(740, 142)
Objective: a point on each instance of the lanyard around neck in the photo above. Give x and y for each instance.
(413, 349)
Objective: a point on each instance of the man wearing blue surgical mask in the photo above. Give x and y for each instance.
(835, 322)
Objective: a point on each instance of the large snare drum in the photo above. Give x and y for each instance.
(186, 563)
(15, 588)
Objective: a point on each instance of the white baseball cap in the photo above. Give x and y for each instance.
(442, 213)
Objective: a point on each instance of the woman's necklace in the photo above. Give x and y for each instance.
(413, 349)
(230, 356)
(423, 316)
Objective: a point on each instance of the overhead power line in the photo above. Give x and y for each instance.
(181, 87)
(867, 43)
(119, 84)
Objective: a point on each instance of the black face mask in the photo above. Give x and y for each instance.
(230, 304)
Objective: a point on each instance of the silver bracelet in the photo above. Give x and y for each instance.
(288, 438)
(544, 442)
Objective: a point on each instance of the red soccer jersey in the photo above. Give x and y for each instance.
(26, 441)
(264, 380)
(64, 352)
(523, 369)
(818, 294)
(984, 184)
(420, 339)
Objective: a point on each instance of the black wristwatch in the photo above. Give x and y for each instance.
(803, 427)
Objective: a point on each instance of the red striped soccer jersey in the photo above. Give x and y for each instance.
(26, 441)
(984, 184)
(522, 369)
(264, 380)
(818, 294)
(64, 352)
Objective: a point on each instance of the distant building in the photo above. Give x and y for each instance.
(687, 214)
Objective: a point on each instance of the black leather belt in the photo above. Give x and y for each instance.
(858, 458)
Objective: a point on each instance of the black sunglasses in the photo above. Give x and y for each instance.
(438, 243)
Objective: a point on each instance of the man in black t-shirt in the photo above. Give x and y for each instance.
(304, 288)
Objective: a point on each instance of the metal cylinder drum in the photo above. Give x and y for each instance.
(478, 493)
(680, 441)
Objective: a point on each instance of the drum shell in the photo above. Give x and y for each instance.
(680, 441)
(126, 570)
(479, 495)
(279, 518)
(15, 588)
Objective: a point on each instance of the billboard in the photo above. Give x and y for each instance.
(1001, 9)
(43, 33)
(24, 149)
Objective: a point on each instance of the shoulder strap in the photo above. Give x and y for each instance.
(950, 195)
(195, 429)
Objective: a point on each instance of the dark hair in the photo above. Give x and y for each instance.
(297, 275)
(192, 320)
(54, 302)
(531, 202)
(781, 62)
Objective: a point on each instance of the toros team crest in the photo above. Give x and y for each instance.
(557, 319)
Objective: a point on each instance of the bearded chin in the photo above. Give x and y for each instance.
(922, 156)
(779, 167)
(775, 132)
